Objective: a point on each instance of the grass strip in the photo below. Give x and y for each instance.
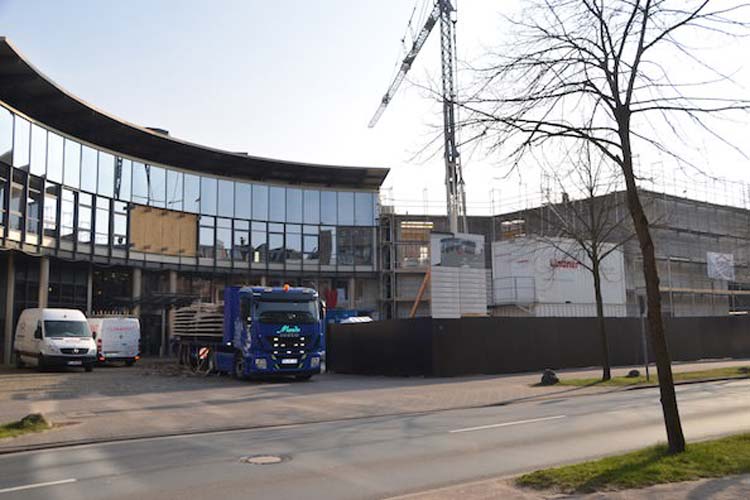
(647, 467)
(729, 372)
(27, 425)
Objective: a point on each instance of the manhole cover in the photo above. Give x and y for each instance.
(263, 459)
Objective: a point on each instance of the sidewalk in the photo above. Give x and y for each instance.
(155, 399)
(728, 488)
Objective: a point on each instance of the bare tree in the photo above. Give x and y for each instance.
(595, 71)
(588, 224)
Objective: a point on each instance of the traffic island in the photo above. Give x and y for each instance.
(734, 372)
(650, 466)
(28, 424)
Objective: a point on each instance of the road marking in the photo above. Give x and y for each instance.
(507, 424)
(37, 485)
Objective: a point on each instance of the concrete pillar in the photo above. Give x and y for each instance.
(352, 302)
(90, 291)
(171, 315)
(43, 282)
(10, 289)
(136, 290)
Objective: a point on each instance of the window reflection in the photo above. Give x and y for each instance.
(223, 239)
(206, 237)
(311, 207)
(327, 246)
(34, 206)
(67, 214)
(158, 183)
(346, 209)
(277, 204)
(241, 247)
(294, 205)
(6, 136)
(293, 253)
(102, 221)
(52, 193)
(106, 174)
(38, 150)
(328, 208)
(363, 209)
(259, 243)
(226, 198)
(72, 165)
(140, 189)
(192, 193)
(122, 190)
(174, 190)
(84, 218)
(88, 169)
(21, 143)
(260, 202)
(243, 200)
(55, 148)
(120, 225)
(208, 196)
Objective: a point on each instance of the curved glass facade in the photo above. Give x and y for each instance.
(62, 193)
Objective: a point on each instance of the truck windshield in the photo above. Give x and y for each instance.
(66, 329)
(288, 312)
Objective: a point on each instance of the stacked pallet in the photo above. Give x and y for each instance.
(199, 320)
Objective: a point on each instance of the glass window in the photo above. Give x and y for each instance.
(6, 136)
(192, 193)
(16, 213)
(363, 209)
(345, 246)
(174, 190)
(327, 246)
(55, 147)
(67, 214)
(38, 150)
(242, 200)
(126, 176)
(310, 249)
(158, 186)
(84, 218)
(4, 171)
(106, 174)
(72, 164)
(294, 205)
(260, 202)
(88, 169)
(241, 245)
(33, 210)
(51, 195)
(259, 243)
(223, 239)
(226, 198)
(140, 192)
(120, 225)
(277, 204)
(312, 207)
(102, 221)
(362, 240)
(21, 142)
(275, 248)
(206, 237)
(346, 209)
(208, 196)
(328, 207)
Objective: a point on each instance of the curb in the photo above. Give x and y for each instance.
(685, 382)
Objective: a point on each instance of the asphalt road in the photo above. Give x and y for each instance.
(373, 457)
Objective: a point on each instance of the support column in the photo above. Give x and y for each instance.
(43, 282)
(351, 293)
(10, 289)
(136, 290)
(90, 291)
(171, 313)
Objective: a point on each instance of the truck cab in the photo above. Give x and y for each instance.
(272, 331)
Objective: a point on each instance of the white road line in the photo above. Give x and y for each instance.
(37, 485)
(506, 424)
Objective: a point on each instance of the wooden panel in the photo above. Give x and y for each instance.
(166, 232)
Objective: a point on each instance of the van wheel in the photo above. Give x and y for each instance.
(19, 362)
(89, 368)
(239, 367)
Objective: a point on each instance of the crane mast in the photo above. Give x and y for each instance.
(443, 11)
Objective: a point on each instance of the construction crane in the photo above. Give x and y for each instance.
(444, 12)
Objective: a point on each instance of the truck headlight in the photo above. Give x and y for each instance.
(53, 349)
(314, 362)
(261, 364)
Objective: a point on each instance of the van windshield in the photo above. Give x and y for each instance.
(66, 329)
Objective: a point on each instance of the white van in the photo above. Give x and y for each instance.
(54, 337)
(117, 339)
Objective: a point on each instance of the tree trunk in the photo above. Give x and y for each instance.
(606, 370)
(672, 423)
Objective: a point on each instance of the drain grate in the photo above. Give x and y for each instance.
(263, 459)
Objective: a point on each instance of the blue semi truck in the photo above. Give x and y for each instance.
(266, 331)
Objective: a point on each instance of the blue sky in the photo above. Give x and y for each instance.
(290, 79)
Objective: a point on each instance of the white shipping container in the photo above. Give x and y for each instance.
(547, 277)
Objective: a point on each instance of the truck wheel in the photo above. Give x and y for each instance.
(88, 368)
(19, 362)
(239, 367)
